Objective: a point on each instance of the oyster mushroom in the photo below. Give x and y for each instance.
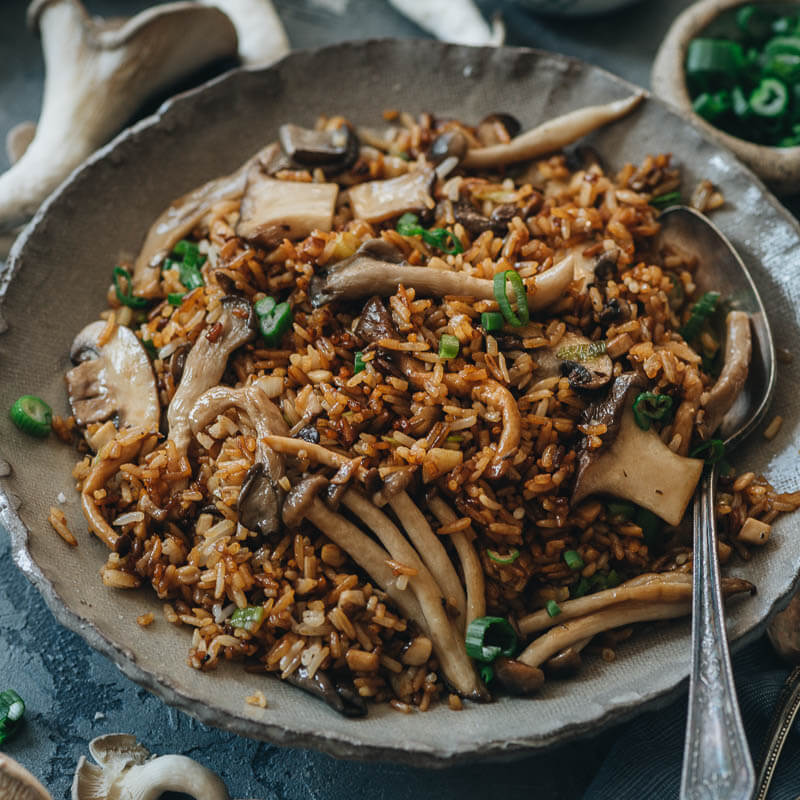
(125, 771)
(634, 464)
(18, 139)
(97, 73)
(551, 135)
(206, 363)
(260, 33)
(457, 21)
(16, 783)
(377, 268)
(338, 696)
(332, 150)
(517, 677)
(576, 358)
(376, 201)
(114, 379)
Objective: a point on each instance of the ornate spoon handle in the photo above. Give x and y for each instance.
(716, 760)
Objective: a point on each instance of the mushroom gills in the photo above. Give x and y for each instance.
(260, 500)
(114, 379)
(634, 464)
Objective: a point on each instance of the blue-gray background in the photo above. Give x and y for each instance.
(73, 694)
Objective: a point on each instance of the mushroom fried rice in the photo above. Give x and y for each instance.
(380, 411)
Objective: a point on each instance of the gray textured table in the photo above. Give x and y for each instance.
(74, 694)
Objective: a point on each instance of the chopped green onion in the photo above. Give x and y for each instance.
(408, 225)
(487, 673)
(739, 103)
(702, 309)
(32, 415)
(190, 276)
(448, 346)
(512, 556)
(612, 579)
(248, 618)
(274, 324)
(358, 363)
(12, 707)
(581, 352)
(264, 306)
(553, 608)
(125, 296)
(492, 321)
(753, 22)
(151, 349)
(649, 406)
(455, 438)
(175, 298)
(188, 251)
(712, 57)
(580, 588)
(573, 559)
(650, 525)
(770, 98)
(711, 451)
(783, 44)
(489, 637)
(523, 313)
(621, 510)
(667, 199)
(598, 582)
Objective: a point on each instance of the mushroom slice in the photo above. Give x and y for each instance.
(517, 677)
(368, 271)
(114, 378)
(722, 395)
(124, 769)
(566, 634)
(185, 214)
(339, 697)
(259, 500)
(376, 201)
(632, 463)
(585, 266)
(273, 210)
(583, 362)
(16, 783)
(551, 135)
(492, 393)
(568, 661)
(332, 150)
(206, 364)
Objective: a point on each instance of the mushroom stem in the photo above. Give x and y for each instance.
(551, 135)
(97, 74)
(457, 21)
(261, 35)
(494, 394)
(316, 452)
(470, 563)
(674, 600)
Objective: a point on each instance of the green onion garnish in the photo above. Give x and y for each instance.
(650, 525)
(190, 276)
(358, 363)
(573, 560)
(188, 251)
(489, 637)
(523, 313)
(580, 588)
(125, 296)
(175, 298)
(492, 321)
(448, 346)
(264, 306)
(701, 310)
(487, 673)
(621, 510)
(275, 323)
(713, 57)
(770, 98)
(512, 556)
(32, 415)
(248, 618)
(553, 608)
(12, 707)
(613, 579)
(711, 451)
(408, 225)
(581, 352)
(666, 200)
(151, 349)
(649, 406)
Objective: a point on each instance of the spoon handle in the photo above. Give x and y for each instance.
(716, 759)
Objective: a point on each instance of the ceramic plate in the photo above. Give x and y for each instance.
(61, 268)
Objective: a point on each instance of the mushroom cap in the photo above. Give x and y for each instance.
(16, 783)
(260, 500)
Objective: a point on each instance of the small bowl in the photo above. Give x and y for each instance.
(779, 167)
(574, 8)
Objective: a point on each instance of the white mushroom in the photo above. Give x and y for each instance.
(376, 201)
(125, 771)
(16, 783)
(262, 38)
(457, 21)
(97, 73)
(18, 139)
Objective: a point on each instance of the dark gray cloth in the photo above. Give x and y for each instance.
(645, 760)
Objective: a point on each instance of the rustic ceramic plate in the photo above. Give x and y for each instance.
(61, 268)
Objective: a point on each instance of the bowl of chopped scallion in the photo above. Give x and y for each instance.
(734, 67)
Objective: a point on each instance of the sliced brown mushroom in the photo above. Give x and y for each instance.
(586, 267)
(517, 677)
(451, 143)
(497, 128)
(259, 503)
(376, 201)
(570, 358)
(273, 210)
(185, 214)
(634, 464)
(722, 395)
(332, 150)
(370, 271)
(565, 634)
(16, 783)
(114, 379)
(206, 364)
(551, 135)
(568, 661)
(337, 696)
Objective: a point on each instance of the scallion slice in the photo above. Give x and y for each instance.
(711, 451)
(32, 415)
(190, 276)
(487, 673)
(667, 199)
(125, 294)
(492, 321)
(175, 298)
(275, 323)
(358, 363)
(264, 306)
(512, 556)
(448, 346)
(650, 525)
(573, 560)
(12, 707)
(523, 314)
(581, 352)
(446, 241)
(553, 608)
(701, 310)
(248, 618)
(489, 637)
(649, 406)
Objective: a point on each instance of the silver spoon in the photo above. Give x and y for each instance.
(716, 759)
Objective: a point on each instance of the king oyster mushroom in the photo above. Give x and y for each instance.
(97, 74)
(126, 771)
(634, 464)
(114, 379)
(376, 201)
(16, 783)
(260, 33)
(331, 150)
